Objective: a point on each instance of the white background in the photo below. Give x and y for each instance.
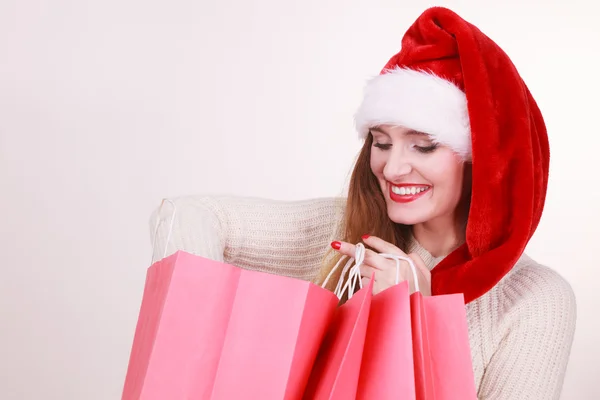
(107, 106)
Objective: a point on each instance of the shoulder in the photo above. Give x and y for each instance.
(532, 293)
(531, 280)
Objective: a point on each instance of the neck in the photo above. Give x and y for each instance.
(440, 236)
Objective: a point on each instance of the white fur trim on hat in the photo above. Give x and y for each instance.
(417, 100)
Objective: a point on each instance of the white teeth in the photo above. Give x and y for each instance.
(402, 191)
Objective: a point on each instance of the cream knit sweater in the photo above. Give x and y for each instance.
(520, 332)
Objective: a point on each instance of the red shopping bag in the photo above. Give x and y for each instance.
(337, 368)
(443, 365)
(431, 331)
(387, 370)
(209, 330)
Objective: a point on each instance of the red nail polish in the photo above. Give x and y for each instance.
(364, 237)
(336, 245)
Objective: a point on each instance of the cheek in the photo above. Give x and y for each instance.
(447, 172)
(377, 163)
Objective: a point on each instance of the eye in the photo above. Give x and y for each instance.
(427, 149)
(382, 146)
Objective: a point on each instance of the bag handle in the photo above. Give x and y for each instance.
(158, 222)
(410, 262)
(354, 271)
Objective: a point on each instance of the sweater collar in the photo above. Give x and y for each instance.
(415, 247)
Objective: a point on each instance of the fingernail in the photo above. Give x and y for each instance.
(336, 245)
(365, 237)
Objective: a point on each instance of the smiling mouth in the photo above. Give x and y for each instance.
(408, 190)
(407, 193)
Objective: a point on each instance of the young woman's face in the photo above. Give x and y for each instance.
(420, 180)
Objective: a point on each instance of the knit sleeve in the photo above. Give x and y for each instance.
(534, 350)
(282, 237)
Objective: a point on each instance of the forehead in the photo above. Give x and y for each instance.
(397, 130)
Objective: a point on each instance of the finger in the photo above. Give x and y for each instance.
(365, 282)
(344, 248)
(381, 246)
(376, 261)
(368, 272)
(371, 259)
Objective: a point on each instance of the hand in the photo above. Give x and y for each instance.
(385, 269)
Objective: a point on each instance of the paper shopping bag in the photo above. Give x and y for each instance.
(442, 353)
(337, 367)
(211, 331)
(387, 370)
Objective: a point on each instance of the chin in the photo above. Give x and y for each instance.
(406, 216)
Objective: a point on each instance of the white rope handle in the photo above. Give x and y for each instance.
(353, 272)
(354, 277)
(158, 222)
(410, 262)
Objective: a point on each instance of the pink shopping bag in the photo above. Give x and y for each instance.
(337, 368)
(442, 353)
(210, 331)
(387, 370)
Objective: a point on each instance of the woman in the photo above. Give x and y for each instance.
(453, 172)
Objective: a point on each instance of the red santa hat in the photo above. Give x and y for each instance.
(451, 81)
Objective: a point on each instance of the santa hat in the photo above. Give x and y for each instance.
(451, 81)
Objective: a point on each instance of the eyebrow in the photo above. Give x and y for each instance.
(410, 132)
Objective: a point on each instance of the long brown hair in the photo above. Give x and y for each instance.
(365, 213)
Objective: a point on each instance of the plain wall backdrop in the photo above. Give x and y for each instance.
(107, 106)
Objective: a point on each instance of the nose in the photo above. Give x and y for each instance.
(396, 167)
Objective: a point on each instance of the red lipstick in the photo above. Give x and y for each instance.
(407, 198)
